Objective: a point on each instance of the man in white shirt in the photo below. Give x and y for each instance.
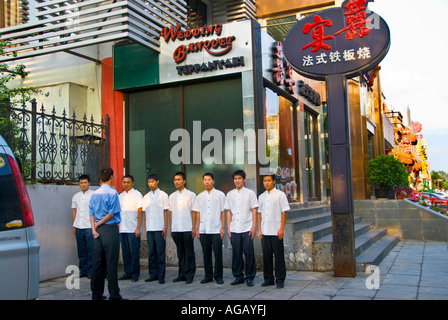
(241, 205)
(81, 226)
(156, 206)
(130, 228)
(183, 226)
(273, 207)
(210, 217)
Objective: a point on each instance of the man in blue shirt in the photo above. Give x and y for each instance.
(104, 210)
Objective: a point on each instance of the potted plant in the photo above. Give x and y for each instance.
(400, 192)
(386, 172)
(409, 192)
(435, 207)
(415, 197)
(425, 202)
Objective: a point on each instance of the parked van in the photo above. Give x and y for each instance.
(19, 248)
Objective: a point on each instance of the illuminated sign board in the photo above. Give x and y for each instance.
(346, 40)
(206, 51)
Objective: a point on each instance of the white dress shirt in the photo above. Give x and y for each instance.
(210, 205)
(272, 204)
(80, 201)
(154, 205)
(181, 205)
(240, 203)
(130, 202)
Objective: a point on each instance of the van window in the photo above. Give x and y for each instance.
(10, 206)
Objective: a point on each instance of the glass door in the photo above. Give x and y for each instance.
(312, 156)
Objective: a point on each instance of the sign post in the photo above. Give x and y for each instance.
(334, 45)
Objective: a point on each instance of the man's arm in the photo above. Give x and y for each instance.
(165, 218)
(193, 222)
(171, 219)
(229, 220)
(254, 223)
(223, 223)
(96, 225)
(138, 230)
(281, 231)
(73, 218)
(198, 223)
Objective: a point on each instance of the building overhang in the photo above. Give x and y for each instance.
(67, 25)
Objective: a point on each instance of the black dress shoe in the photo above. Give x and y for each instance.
(179, 279)
(118, 298)
(267, 283)
(250, 282)
(280, 285)
(219, 281)
(189, 281)
(125, 277)
(151, 279)
(206, 280)
(161, 281)
(237, 281)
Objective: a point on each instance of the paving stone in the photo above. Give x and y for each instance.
(412, 270)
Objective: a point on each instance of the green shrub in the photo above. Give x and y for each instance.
(387, 172)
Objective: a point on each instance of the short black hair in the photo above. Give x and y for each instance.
(208, 174)
(180, 173)
(153, 176)
(105, 174)
(84, 177)
(128, 176)
(270, 175)
(239, 173)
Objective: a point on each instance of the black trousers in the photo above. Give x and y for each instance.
(273, 248)
(106, 250)
(242, 243)
(157, 255)
(185, 255)
(84, 241)
(212, 243)
(130, 249)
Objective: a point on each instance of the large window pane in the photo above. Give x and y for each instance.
(153, 115)
(280, 141)
(210, 109)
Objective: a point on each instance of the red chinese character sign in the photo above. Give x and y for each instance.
(334, 45)
(347, 40)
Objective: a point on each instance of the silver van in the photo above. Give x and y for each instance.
(19, 248)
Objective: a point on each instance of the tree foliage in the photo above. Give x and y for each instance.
(11, 96)
(439, 179)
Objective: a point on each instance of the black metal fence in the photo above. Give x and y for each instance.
(58, 149)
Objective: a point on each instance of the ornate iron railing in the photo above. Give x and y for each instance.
(60, 148)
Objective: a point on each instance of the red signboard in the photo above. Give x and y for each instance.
(346, 40)
(216, 47)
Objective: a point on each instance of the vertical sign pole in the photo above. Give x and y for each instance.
(341, 177)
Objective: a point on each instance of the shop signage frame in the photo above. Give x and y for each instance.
(214, 50)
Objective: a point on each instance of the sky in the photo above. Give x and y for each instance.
(414, 73)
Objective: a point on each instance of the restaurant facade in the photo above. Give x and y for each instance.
(197, 77)
(219, 98)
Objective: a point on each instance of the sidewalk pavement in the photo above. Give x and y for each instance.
(411, 271)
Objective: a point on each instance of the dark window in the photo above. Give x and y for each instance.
(10, 206)
(197, 14)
